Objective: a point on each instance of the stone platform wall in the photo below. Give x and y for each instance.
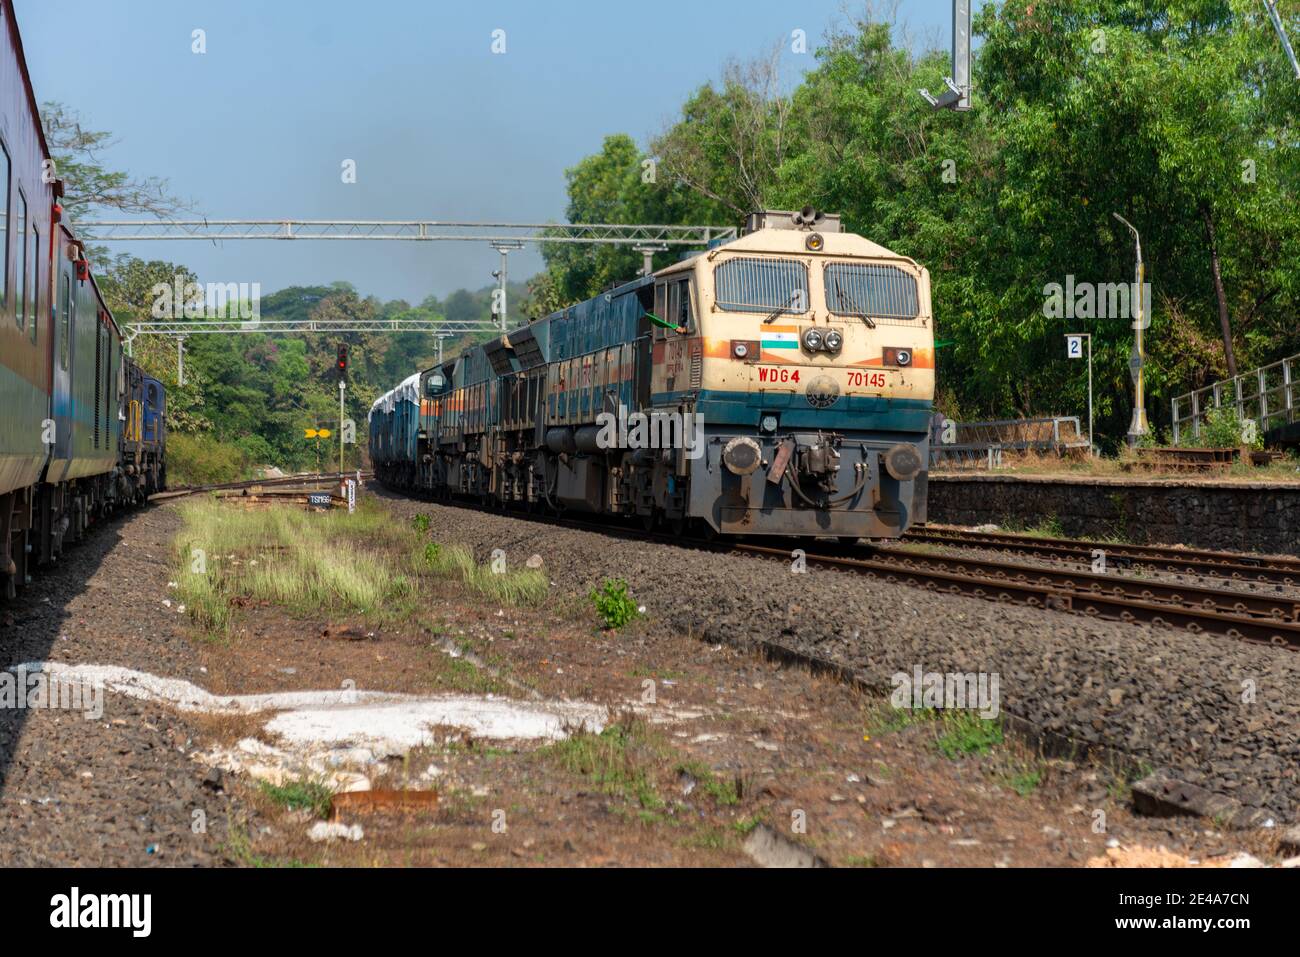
(1247, 516)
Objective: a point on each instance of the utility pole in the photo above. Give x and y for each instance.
(504, 248)
(1138, 426)
(342, 389)
(180, 361)
(956, 96)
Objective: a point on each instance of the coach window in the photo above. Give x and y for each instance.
(4, 224)
(24, 287)
(65, 304)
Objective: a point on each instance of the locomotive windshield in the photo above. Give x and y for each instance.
(761, 285)
(871, 290)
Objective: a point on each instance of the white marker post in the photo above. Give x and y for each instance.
(1074, 350)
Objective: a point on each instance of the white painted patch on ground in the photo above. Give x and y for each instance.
(184, 696)
(402, 725)
(340, 736)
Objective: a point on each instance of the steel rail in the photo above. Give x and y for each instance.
(1057, 597)
(1219, 599)
(1234, 565)
(317, 479)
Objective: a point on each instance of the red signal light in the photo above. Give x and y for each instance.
(343, 359)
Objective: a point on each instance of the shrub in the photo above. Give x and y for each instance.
(1222, 429)
(614, 604)
(203, 460)
(420, 523)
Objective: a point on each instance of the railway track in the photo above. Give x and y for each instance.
(1244, 616)
(1228, 565)
(294, 481)
(1230, 614)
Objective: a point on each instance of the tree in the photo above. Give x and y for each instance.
(620, 184)
(87, 185)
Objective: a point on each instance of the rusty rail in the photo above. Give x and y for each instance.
(1227, 565)
(291, 480)
(1056, 596)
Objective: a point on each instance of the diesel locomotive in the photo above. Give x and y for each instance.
(82, 429)
(780, 383)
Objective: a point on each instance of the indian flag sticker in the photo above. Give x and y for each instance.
(780, 337)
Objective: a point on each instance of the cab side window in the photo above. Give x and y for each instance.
(683, 316)
(660, 310)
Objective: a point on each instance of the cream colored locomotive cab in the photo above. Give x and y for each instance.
(780, 305)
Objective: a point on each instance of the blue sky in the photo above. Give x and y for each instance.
(438, 125)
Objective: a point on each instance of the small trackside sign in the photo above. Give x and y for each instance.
(320, 499)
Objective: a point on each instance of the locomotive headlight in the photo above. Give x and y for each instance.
(740, 350)
(812, 340)
(768, 424)
(833, 341)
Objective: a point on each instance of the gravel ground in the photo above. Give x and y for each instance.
(1216, 713)
(119, 790)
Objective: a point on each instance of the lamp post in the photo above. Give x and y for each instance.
(1138, 426)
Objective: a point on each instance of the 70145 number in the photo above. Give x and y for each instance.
(872, 380)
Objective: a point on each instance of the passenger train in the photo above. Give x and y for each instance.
(82, 429)
(780, 383)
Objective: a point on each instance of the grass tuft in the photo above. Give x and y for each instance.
(963, 733)
(312, 796)
(522, 586)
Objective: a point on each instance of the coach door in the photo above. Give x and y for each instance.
(65, 321)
